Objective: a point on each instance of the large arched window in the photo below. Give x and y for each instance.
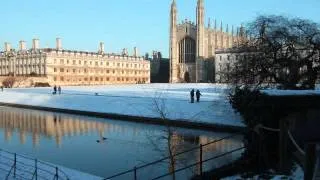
(187, 50)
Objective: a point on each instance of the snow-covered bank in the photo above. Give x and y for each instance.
(136, 100)
(296, 174)
(25, 168)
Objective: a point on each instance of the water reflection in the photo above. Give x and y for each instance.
(47, 125)
(71, 141)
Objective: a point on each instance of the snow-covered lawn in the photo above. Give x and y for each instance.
(137, 100)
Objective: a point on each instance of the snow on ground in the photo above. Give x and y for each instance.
(277, 92)
(25, 169)
(296, 174)
(291, 92)
(137, 100)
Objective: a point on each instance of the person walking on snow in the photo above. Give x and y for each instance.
(192, 95)
(198, 94)
(54, 89)
(59, 89)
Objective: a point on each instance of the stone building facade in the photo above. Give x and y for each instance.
(193, 46)
(225, 62)
(68, 67)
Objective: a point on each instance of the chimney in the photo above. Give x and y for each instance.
(101, 48)
(135, 52)
(35, 44)
(59, 44)
(7, 46)
(22, 46)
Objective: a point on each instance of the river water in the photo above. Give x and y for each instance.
(105, 147)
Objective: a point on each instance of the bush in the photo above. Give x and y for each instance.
(41, 84)
(9, 82)
(33, 74)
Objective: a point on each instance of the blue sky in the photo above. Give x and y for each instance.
(82, 24)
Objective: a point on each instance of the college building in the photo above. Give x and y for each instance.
(193, 46)
(57, 66)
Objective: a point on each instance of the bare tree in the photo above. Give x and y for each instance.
(173, 141)
(9, 82)
(279, 50)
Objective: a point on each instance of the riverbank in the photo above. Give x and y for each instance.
(138, 103)
(25, 168)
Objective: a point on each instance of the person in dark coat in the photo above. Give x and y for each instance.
(198, 94)
(192, 95)
(54, 89)
(59, 89)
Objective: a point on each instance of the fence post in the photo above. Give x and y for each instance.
(57, 175)
(14, 165)
(200, 159)
(135, 173)
(36, 166)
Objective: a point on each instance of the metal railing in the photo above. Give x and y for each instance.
(199, 163)
(135, 170)
(19, 166)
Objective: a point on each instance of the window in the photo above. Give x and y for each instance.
(67, 61)
(55, 78)
(61, 61)
(228, 57)
(79, 62)
(61, 70)
(97, 64)
(108, 71)
(74, 62)
(85, 62)
(74, 70)
(61, 78)
(220, 58)
(118, 64)
(107, 64)
(54, 69)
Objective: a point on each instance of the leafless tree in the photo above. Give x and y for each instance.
(279, 50)
(173, 141)
(9, 82)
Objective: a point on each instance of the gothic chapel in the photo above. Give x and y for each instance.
(193, 46)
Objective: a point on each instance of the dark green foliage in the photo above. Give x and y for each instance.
(262, 146)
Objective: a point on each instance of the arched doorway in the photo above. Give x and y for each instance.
(187, 77)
